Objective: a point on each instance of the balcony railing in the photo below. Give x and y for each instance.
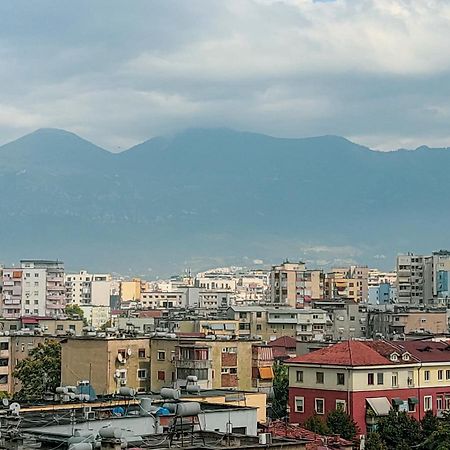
(193, 363)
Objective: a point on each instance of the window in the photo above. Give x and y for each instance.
(299, 376)
(426, 375)
(370, 379)
(59, 327)
(258, 314)
(258, 327)
(161, 375)
(299, 404)
(142, 374)
(394, 379)
(341, 405)
(161, 355)
(427, 403)
(439, 402)
(319, 377)
(4, 346)
(352, 318)
(303, 328)
(440, 375)
(319, 405)
(410, 378)
(447, 374)
(380, 378)
(141, 353)
(340, 378)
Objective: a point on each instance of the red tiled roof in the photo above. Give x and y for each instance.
(150, 313)
(317, 442)
(347, 353)
(284, 341)
(425, 351)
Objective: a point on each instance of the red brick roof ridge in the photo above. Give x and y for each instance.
(345, 353)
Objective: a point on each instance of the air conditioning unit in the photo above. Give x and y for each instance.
(265, 438)
(90, 415)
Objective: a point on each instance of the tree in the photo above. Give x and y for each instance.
(399, 430)
(315, 424)
(280, 391)
(75, 312)
(429, 423)
(40, 372)
(339, 422)
(374, 442)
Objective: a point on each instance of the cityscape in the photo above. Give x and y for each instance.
(224, 225)
(355, 339)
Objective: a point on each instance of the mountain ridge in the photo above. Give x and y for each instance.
(216, 196)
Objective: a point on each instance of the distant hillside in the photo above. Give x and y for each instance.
(213, 197)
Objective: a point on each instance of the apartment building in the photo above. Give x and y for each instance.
(269, 324)
(404, 322)
(348, 283)
(164, 360)
(382, 294)
(295, 286)
(368, 378)
(37, 288)
(108, 363)
(130, 290)
(410, 279)
(345, 319)
(423, 280)
(355, 376)
(84, 288)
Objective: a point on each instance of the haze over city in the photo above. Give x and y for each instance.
(224, 224)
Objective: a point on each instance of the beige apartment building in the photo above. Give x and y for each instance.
(108, 363)
(292, 284)
(149, 364)
(348, 283)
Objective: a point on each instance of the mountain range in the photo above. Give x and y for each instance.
(213, 197)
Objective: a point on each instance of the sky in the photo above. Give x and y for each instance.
(119, 72)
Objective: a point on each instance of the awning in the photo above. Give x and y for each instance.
(397, 401)
(413, 400)
(29, 320)
(380, 405)
(266, 373)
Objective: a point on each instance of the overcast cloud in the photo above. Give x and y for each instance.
(118, 72)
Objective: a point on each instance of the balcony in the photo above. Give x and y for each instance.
(193, 364)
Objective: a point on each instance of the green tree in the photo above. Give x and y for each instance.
(280, 391)
(429, 423)
(315, 424)
(400, 431)
(374, 442)
(40, 372)
(339, 422)
(75, 312)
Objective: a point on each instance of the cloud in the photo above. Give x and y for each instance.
(118, 72)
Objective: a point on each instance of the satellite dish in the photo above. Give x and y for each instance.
(129, 352)
(119, 357)
(5, 402)
(117, 374)
(14, 408)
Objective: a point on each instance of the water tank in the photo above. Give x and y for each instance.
(172, 394)
(172, 407)
(192, 378)
(188, 409)
(146, 406)
(61, 390)
(127, 391)
(193, 388)
(81, 446)
(110, 433)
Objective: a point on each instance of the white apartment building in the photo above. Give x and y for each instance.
(42, 289)
(84, 288)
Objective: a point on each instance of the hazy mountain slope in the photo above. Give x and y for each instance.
(206, 197)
